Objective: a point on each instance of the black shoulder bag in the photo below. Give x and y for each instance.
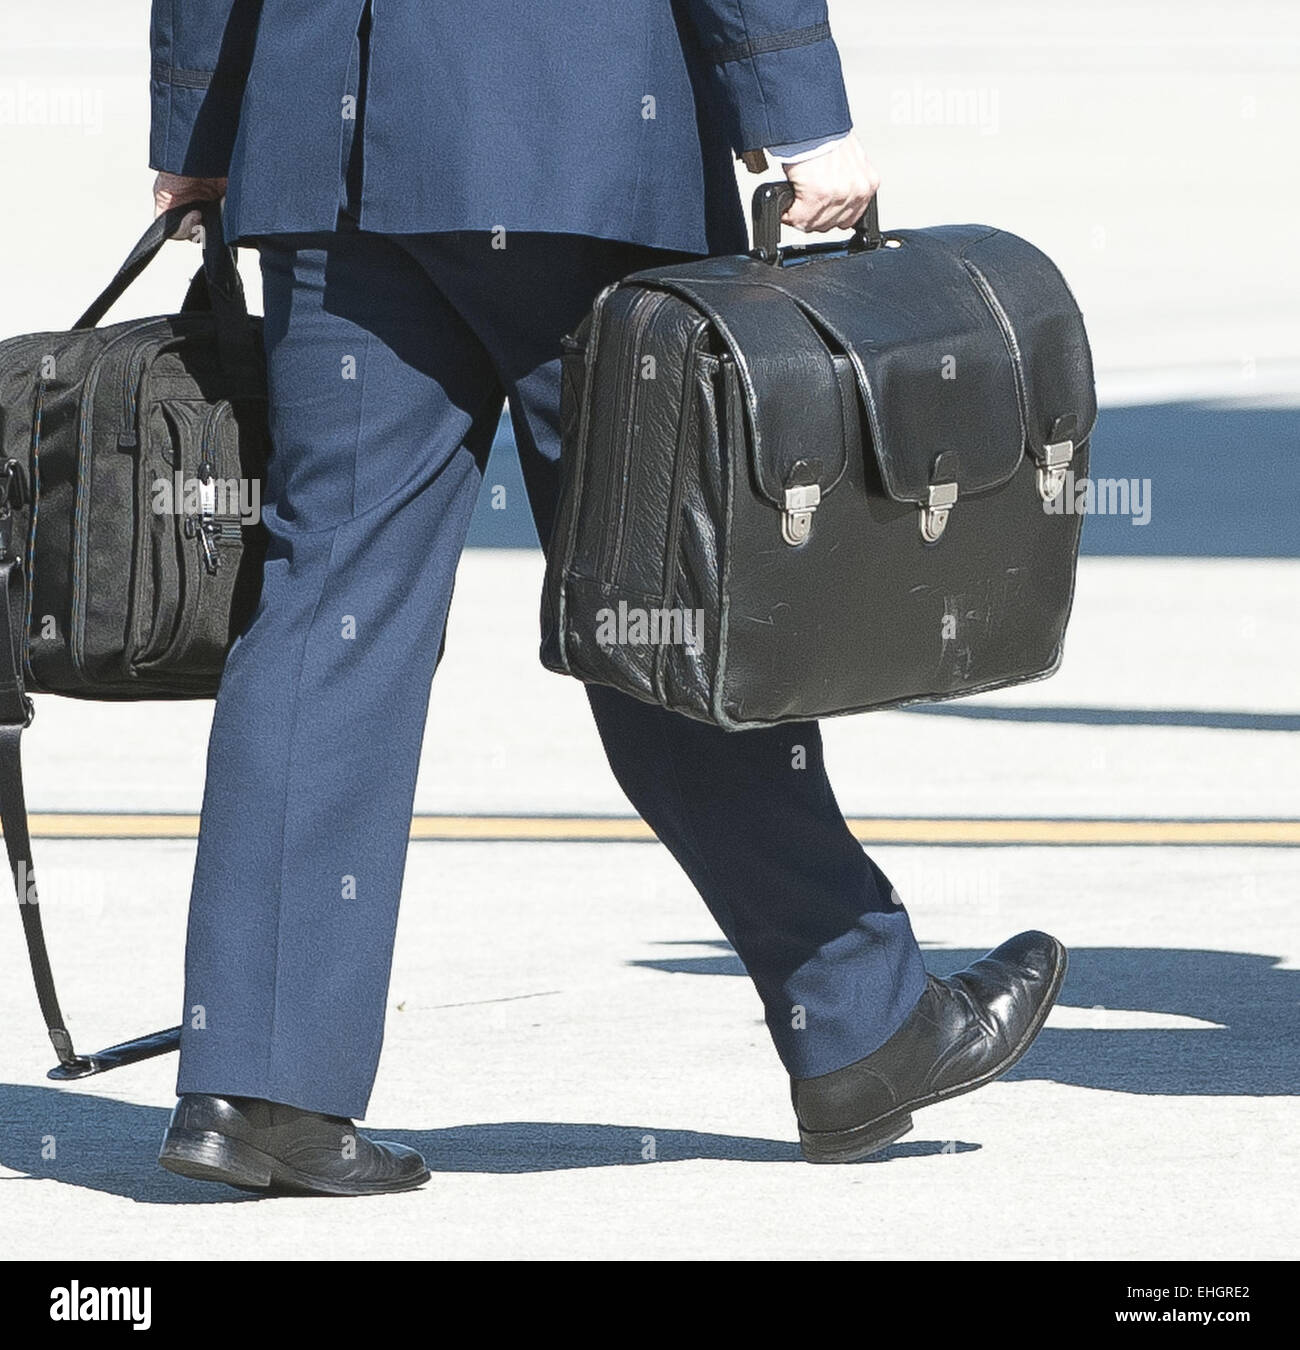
(131, 463)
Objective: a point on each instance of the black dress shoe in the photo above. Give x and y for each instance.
(257, 1145)
(966, 1031)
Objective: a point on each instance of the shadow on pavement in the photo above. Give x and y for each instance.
(1250, 1052)
(107, 1145)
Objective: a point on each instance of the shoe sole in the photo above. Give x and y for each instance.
(846, 1146)
(205, 1155)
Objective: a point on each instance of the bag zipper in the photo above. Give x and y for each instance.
(129, 436)
(205, 527)
(77, 617)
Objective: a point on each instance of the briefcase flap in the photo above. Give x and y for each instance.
(966, 345)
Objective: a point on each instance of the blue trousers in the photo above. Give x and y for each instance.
(389, 360)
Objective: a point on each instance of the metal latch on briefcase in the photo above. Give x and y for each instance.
(940, 499)
(796, 518)
(1052, 466)
(1056, 456)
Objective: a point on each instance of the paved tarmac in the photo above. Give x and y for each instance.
(570, 1042)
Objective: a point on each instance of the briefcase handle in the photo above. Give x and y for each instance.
(773, 200)
(216, 286)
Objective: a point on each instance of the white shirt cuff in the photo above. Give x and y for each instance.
(805, 150)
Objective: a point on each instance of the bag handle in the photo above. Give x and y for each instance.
(220, 273)
(773, 200)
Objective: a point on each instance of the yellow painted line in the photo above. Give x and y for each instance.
(1040, 831)
(973, 830)
(97, 825)
(596, 829)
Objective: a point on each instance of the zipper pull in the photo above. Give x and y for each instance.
(211, 560)
(208, 511)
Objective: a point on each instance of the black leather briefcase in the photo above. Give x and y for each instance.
(815, 481)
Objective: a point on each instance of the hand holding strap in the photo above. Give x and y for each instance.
(216, 287)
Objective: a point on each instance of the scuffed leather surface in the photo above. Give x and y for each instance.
(966, 340)
(1047, 334)
(866, 614)
(673, 496)
(788, 378)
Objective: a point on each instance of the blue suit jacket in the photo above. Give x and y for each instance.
(612, 118)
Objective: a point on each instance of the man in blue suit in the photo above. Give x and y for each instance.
(437, 192)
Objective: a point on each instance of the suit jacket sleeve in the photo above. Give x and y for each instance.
(778, 68)
(201, 55)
